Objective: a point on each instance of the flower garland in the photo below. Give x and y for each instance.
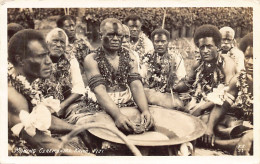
(245, 98)
(112, 76)
(208, 76)
(20, 83)
(79, 49)
(159, 67)
(58, 82)
(40, 116)
(139, 46)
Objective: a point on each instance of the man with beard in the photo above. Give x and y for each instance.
(228, 47)
(30, 113)
(164, 69)
(140, 43)
(113, 76)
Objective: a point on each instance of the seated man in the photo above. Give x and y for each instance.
(238, 95)
(139, 42)
(29, 111)
(212, 70)
(113, 76)
(228, 47)
(66, 77)
(76, 47)
(164, 69)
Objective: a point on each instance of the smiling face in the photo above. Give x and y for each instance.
(249, 60)
(112, 36)
(208, 49)
(134, 27)
(37, 64)
(57, 44)
(160, 43)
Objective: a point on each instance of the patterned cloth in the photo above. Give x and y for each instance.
(162, 72)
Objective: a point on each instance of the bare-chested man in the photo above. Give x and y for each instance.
(112, 74)
(29, 111)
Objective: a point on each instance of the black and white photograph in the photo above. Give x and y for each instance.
(119, 81)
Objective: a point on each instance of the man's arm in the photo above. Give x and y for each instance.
(229, 69)
(91, 70)
(184, 84)
(17, 103)
(78, 88)
(239, 58)
(138, 93)
(219, 111)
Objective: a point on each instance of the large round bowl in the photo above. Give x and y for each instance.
(171, 127)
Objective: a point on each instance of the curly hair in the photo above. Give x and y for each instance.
(13, 28)
(246, 41)
(133, 17)
(62, 19)
(207, 31)
(160, 31)
(18, 44)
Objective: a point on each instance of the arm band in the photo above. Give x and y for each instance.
(132, 77)
(95, 81)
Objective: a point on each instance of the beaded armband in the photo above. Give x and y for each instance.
(132, 77)
(95, 81)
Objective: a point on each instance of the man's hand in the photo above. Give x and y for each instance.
(147, 118)
(124, 124)
(208, 138)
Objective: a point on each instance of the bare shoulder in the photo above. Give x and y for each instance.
(89, 61)
(233, 85)
(16, 101)
(237, 52)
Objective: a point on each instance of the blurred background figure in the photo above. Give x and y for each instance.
(228, 47)
(13, 28)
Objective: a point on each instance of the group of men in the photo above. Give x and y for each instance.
(128, 69)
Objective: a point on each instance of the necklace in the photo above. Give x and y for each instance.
(111, 76)
(59, 81)
(245, 98)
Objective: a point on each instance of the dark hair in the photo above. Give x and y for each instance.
(18, 44)
(246, 41)
(13, 28)
(133, 18)
(63, 18)
(207, 31)
(160, 31)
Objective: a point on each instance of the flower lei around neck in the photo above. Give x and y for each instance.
(160, 69)
(40, 116)
(21, 84)
(112, 76)
(80, 50)
(208, 76)
(59, 80)
(245, 98)
(139, 46)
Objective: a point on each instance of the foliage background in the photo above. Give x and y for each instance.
(181, 21)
